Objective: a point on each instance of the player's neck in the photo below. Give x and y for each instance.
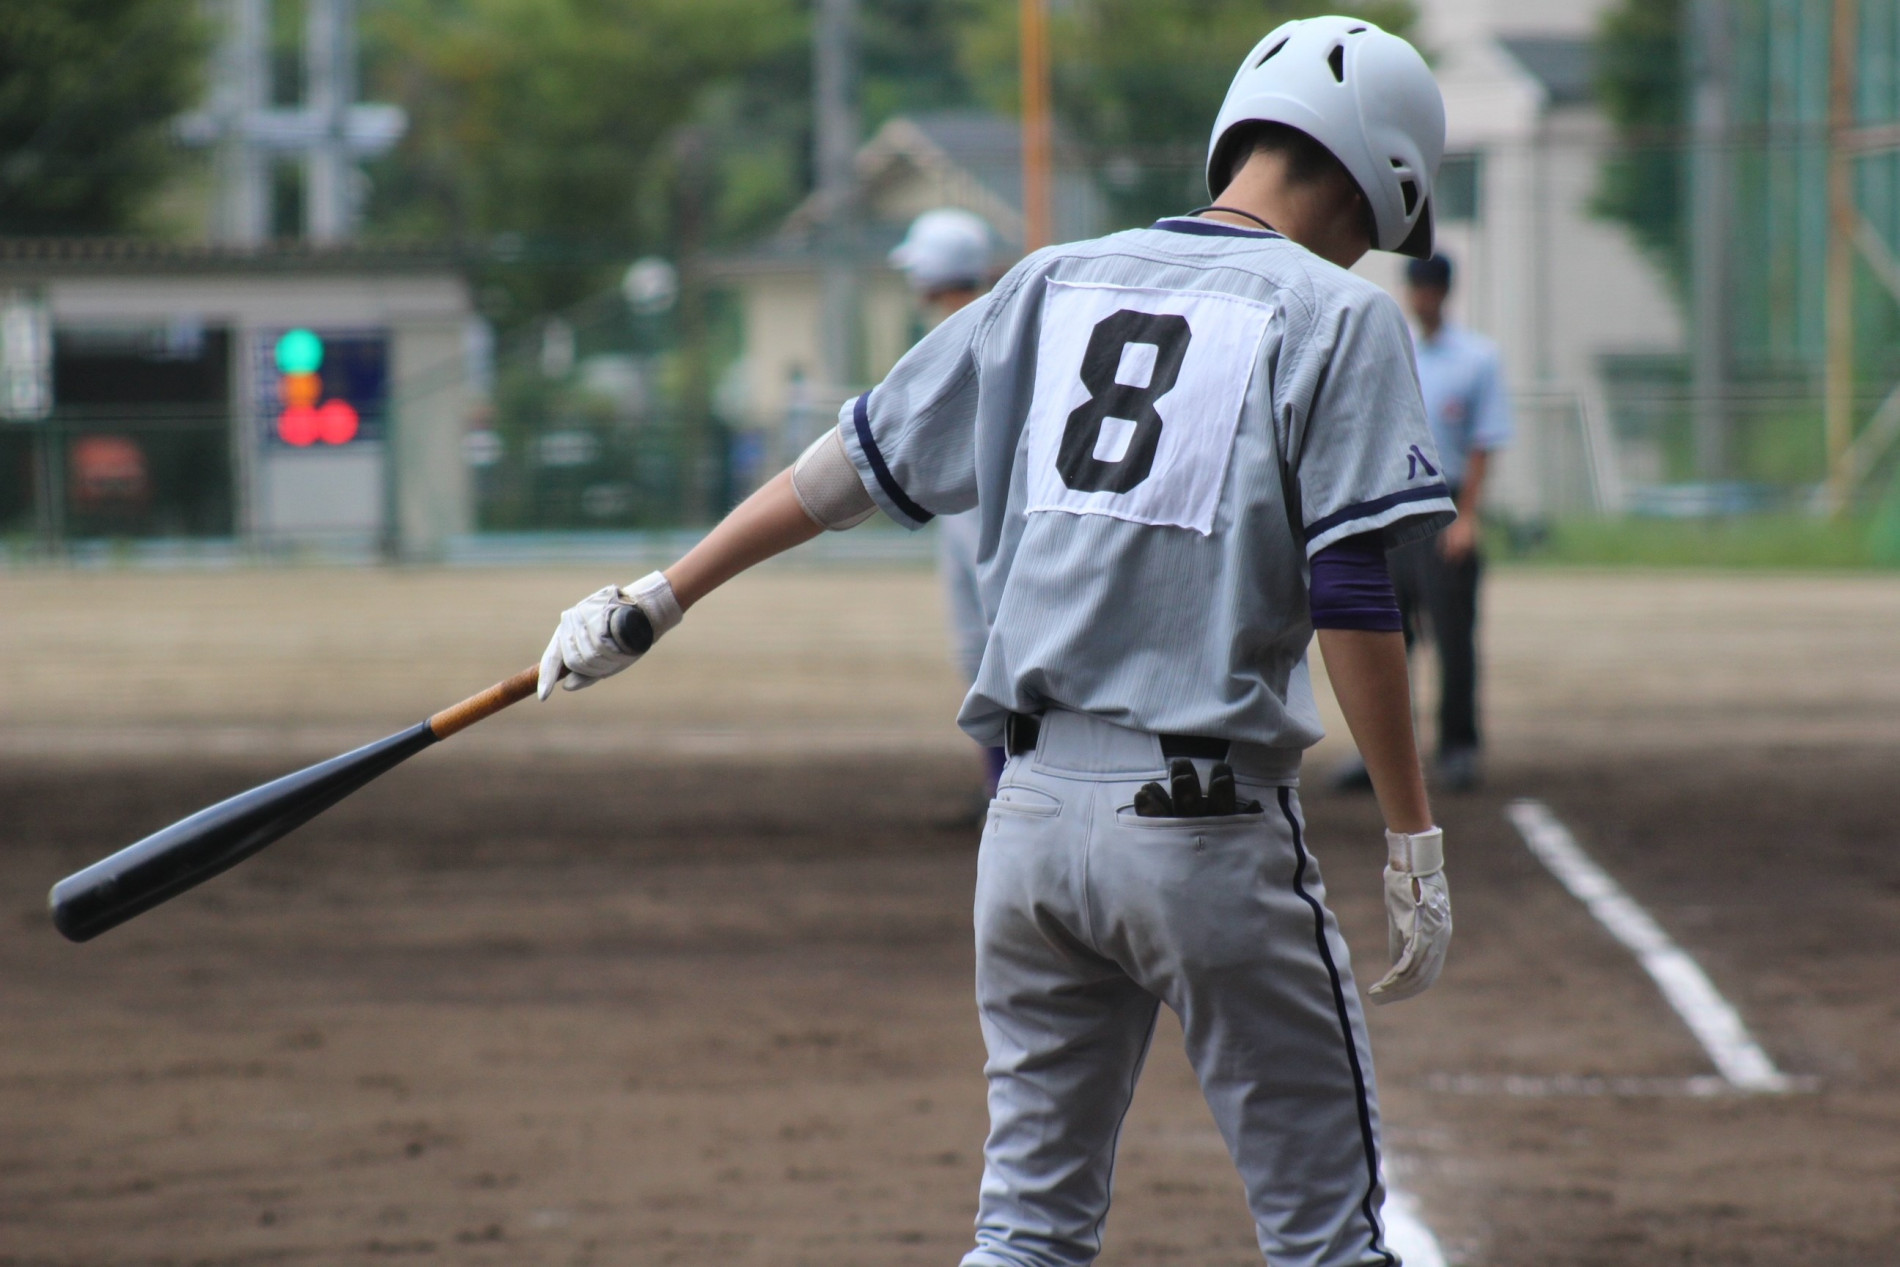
(1312, 213)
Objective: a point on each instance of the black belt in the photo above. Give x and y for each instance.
(1021, 730)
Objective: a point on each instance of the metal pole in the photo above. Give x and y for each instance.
(1709, 252)
(1841, 216)
(835, 87)
(696, 506)
(240, 92)
(330, 87)
(1037, 228)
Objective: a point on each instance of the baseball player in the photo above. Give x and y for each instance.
(1187, 446)
(946, 258)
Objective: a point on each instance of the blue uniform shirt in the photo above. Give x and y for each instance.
(1465, 402)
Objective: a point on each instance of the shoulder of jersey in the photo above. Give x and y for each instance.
(1318, 283)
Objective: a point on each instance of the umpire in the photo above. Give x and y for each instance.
(1436, 579)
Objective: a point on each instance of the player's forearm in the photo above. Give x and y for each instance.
(769, 522)
(1471, 491)
(1370, 682)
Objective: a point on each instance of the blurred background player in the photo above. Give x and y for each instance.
(946, 257)
(1437, 580)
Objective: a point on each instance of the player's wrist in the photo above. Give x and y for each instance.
(653, 595)
(1416, 853)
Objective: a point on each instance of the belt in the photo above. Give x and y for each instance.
(1021, 730)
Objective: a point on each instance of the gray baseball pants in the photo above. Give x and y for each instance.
(1088, 919)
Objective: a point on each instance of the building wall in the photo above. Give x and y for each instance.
(325, 496)
(782, 310)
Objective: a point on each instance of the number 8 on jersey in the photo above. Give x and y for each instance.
(1138, 395)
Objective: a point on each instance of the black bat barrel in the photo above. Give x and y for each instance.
(191, 851)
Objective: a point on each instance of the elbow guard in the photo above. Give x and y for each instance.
(827, 485)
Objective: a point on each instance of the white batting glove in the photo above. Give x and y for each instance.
(583, 651)
(1417, 912)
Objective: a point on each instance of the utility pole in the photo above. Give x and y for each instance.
(1037, 230)
(330, 132)
(240, 91)
(695, 362)
(329, 55)
(835, 109)
(1711, 188)
(1841, 220)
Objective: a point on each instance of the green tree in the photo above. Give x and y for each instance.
(549, 118)
(1640, 83)
(87, 90)
(1137, 84)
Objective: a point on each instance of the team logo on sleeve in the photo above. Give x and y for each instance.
(1138, 395)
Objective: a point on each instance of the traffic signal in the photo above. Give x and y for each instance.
(305, 417)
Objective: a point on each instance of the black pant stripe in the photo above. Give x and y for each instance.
(1345, 1028)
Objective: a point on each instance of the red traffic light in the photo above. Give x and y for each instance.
(306, 418)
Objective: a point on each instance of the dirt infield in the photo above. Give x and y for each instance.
(697, 996)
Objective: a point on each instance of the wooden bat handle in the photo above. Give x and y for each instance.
(491, 701)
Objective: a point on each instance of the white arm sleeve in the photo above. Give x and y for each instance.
(828, 487)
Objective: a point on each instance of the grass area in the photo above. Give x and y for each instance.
(1750, 541)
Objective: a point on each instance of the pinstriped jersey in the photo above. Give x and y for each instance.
(1157, 429)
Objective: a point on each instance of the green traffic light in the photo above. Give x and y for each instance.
(299, 352)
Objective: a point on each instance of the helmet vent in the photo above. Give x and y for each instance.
(1268, 55)
(1357, 30)
(1408, 190)
(1337, 60)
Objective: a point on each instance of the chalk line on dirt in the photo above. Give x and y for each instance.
(1406, 1232)
(1566, 1086)
(1715, 1023)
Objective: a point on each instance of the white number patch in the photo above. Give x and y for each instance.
(1138, 394)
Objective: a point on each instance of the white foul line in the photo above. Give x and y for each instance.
(1717, 1025)
(1406, 1233)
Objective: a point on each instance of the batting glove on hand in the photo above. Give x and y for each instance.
(583, 649)
(1418, 914)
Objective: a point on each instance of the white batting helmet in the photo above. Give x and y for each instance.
(944, 249)
(1364, 94)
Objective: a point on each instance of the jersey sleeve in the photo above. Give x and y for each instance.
(913, 436)
(1359, 452)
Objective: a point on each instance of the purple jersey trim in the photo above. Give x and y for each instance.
(1365, 510)
(1352, 588)
(861, 419)
(1211, 228)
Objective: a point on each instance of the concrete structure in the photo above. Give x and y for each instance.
(168, 352)
(1565, 293)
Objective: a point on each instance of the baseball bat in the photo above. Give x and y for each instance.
(192, 850)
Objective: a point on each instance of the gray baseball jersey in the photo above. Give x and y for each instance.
(1157, 429)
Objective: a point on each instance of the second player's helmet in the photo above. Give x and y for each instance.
(945, 249)
(1363, 93)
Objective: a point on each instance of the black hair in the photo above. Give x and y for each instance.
(1434, 272)
(1307, 161)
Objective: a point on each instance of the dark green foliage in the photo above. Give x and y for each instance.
(908, 55)
(87, 90)
(548, 117)
(556, 127)
(1641, 83)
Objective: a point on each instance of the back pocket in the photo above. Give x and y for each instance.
(1016, 799)
(1125, 816)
